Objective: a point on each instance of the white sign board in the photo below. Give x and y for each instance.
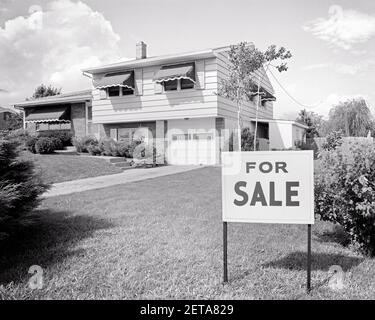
(268, 187)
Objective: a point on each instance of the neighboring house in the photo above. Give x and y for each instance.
(171, 100)
(5, 113)
(70, 111)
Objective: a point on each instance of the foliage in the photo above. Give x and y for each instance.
(13, 122)
(314, 122)
(242, 84)
(94, 150)
(57, 143)
(108, 147)
(82, 143)
(345, 191)
(20, 189)
(44, 91)
(65, 136)
(45, 145)
(352, 117)
(144, 154)
(19, 135)
(333, 140)
(247, 140)
(30, 143)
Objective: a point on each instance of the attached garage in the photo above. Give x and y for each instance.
(191, 141)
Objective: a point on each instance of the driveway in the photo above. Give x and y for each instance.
(127, 176)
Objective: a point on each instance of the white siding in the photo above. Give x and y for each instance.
(281, 135)
(150, 106)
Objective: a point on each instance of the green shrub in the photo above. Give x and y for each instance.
(345, 191)
(108, 147)
(333, 140)
(20, 135)
(20, 189)
(64, 135)
(44, 145)
(82, 144)
(123, 149)
(30, 143)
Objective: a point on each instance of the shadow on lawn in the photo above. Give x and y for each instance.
(48, 241)
(335, 234)
(319, 261)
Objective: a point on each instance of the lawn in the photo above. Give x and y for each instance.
(58, 168)
(162, 238)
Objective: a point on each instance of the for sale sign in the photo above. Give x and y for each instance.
(268, 187)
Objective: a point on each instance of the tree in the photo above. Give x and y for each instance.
(20, 188)
(44, 91)
(13, 121)
(352, 117)
(243, 84)
(314, 122)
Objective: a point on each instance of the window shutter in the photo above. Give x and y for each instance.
(103, 93)
(138, 74)
(199, 69)
(113, 133)
(158, 88)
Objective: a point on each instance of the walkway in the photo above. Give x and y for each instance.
(127, 176)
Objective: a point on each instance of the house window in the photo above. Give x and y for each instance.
(186, 84)
(170, 85)
(127, 91)
(178, 85)
(114, 91)
(89, 113)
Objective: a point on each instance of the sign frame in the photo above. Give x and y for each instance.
(309, 222)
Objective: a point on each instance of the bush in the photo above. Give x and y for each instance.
(333, 140)
(19, 136)
(94, 150)
(30, 143)
(64, 135)
(345, 191)
(83, 143)
(20, 189)
(45, 145)
(58, 144)
(108, 147)
(123, 148)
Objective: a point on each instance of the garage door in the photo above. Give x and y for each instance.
(192, 148)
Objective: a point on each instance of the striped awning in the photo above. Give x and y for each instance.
(48, 114)
(119, 79)
(175, 72)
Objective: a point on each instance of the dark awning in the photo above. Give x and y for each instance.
(47, 114)
(175, 72)
(120, 79)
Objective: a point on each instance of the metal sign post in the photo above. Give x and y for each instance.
(225, 251)
(308, 284)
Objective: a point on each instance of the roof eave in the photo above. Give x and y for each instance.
(38, 102)
(152, 61)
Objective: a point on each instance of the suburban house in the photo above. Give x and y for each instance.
(171, 101)
(4, 115)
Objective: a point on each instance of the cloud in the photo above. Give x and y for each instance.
(51, 46)
(343, 28)
(333, 99)
(343, 68)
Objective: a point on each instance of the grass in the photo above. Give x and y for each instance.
(162, 238)
(58, 168)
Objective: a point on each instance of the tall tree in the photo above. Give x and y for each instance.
(314, 121)
(352, 117)
(243, 84)
(44, 91)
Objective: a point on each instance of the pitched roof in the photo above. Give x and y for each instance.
(71, 97)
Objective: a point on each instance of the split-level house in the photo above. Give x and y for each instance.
(171, 101)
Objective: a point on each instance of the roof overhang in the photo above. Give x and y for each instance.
(53, 100)
(166, 59)
(282, 121)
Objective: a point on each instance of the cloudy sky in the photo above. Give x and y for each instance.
(333, 43)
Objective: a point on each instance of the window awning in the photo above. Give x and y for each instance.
(120, 79)
(175, 72)
(47, 114)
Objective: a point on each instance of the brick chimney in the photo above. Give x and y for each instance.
(141, 50)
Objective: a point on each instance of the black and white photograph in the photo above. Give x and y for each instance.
(196, 152)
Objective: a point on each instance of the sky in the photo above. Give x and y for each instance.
(332, 43)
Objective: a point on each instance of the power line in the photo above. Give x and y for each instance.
(291, 97)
